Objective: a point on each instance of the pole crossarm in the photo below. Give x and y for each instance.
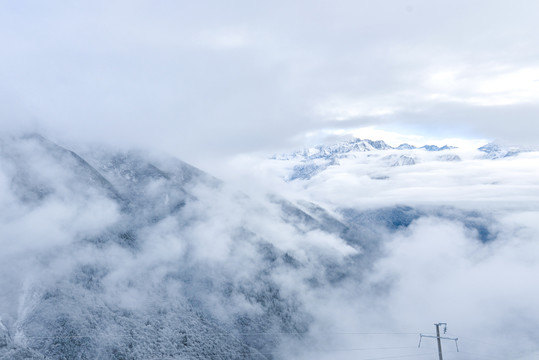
(439, 337)
(436, 337)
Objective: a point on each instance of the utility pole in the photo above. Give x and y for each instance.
(439, 339)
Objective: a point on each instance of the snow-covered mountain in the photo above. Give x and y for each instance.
(333, 151)
(497, 151)
(124, 255)
(312, 161)
(309, 162)
(109, 254)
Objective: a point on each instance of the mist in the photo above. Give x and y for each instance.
(209, 81)
(146, 211)
(152, 236)
(457, 244)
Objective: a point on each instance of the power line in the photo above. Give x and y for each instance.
(381, 358)
(482, 356)
(467, 339)
(332, 333)
(323, 350)
(233, 334)
(218, 333)
(490, 344)
(254, 351)
(489, 356)
(367, 349)
(276, 353)
(399, 356)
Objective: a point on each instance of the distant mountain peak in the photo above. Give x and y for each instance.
(405, 147)
(337, 149)
(316, 159)
(497, 151)
(436, 148)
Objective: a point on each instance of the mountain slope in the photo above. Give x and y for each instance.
(139, 261)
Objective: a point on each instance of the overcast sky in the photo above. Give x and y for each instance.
(206, 79)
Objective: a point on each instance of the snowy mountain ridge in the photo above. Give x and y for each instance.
(131, 256)
(496, 151)
(312, 161)
(356, 145)
(309, 162)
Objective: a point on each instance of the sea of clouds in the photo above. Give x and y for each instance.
(434, 269)
(437, 269)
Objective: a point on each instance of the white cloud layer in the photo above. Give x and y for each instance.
(212, 79)
(439, 268)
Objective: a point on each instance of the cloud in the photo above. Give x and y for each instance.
(235, 255)
(437, 269)
(224, 39)
(355, 181)
(440, 270)
(208, 81)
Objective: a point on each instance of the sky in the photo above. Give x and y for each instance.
(211, 79)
